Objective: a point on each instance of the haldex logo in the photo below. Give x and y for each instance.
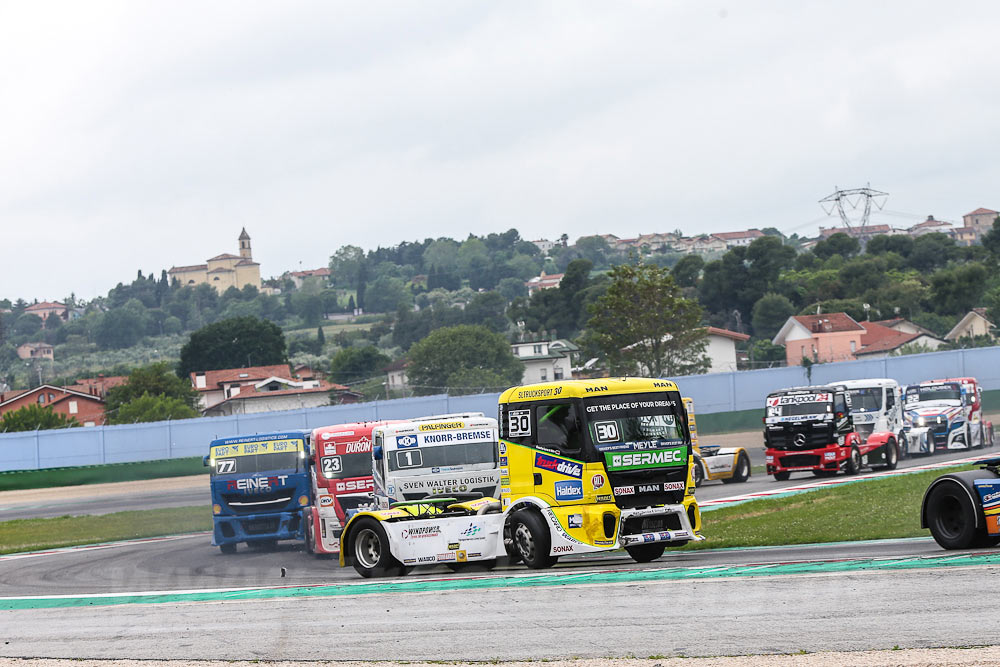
(561, 466)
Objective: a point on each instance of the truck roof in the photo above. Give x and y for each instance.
(257, 437)
(581, 388)
(451, 422)
(871, 382)
(347, 431)
(812, 389)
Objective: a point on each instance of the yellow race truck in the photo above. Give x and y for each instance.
(711, 462)
(585, 466)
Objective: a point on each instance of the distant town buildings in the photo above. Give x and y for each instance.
(545, 360)
(42, 351)
(222, 271)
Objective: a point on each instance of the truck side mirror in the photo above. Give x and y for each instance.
(204, 460)
(377, 452)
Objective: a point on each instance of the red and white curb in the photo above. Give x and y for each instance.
(839, 481)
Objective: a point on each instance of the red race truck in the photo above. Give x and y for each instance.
(341, 482)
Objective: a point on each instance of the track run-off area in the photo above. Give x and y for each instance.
(179, 597)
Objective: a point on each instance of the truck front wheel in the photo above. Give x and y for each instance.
(532, 540)
(782, 476)
(369, 547)
(891, 455)
(228, 549)
(951, 516)
(742, 472)
(853, 466)
(644, 553)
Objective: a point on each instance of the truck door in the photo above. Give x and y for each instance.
(557, 429)
(892, 421)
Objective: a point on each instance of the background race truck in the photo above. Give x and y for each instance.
(728, 464)
(444, 455)
(811, 429)
(962, 509)
(876, 407)
(341, 477)
(260, 487)
(586, 466)
(945, 414)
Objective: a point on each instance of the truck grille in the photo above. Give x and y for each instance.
(651, 524)
(650, 478)
(261, 526)
(257, 503)
(797, 437)
(940, 434)
(799, 460)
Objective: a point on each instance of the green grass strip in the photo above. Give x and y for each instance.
(520, 581)
(867, 510)
(66, 531)
(100, 474)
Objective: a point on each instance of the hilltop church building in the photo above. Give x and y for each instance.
(222, 271)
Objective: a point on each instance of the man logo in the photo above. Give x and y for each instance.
(800, 439)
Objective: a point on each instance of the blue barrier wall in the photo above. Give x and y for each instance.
(718, 392)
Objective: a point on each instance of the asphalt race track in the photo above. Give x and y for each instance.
(906, 593)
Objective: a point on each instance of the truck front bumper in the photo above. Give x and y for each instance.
(685, 533)
(831, 458)
(258, 527)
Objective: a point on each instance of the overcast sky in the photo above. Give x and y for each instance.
(141, 135)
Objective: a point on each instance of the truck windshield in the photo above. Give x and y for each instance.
(423, 460)
(634, 418)
(936, 392)
(799, 405)
(345, 466)
(868, 399)
(260, 456)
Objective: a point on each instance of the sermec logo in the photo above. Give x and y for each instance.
(569, 490)
(561, 466)
(674, 456)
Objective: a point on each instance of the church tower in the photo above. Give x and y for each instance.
(245, 245)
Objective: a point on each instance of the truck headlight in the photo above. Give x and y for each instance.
(303, 500)
(217, 509)
(921, 421)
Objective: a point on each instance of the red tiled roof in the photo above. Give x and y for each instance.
(828, 323)
(731, 236)
(726, 333)
(224, 255)
(888, 343)
(397, 365)
(192, 267)
(213, 379)
(931, 223)
(44, 305)
(100, 384)
(65, 391)
(247, 262)
(250, 391)
(875, 332)
(981, 211)
(313, 272)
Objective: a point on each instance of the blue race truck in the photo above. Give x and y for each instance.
(260, 488)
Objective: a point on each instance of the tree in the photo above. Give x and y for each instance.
(53, 322)
(148, 408)
(991, 239)
(27, 325)
(321, 337)
(644, 325)
(931, 251)
(120, 328)
(687, 271)
(837, 244)
(344, 265)
(154, 380)
(770, 313)
(454, 353)
(34, 417)
(354, 364)
(385, 294)
(233, 343)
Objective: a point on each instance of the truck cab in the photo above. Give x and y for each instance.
(451, 455)
(876, 406)
(810, 429)
(946, 414)
(341, 476)
(260, 488)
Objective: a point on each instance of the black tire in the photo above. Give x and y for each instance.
(228, 549)
(644, 553)
(951, 516)
(903, 450)
(310, 538)
(513, 555)
(698, 473)
(891, 455)
(968, 436)
(742, 471)
(853, 466)
(782, 476)
(987, 540)
(369, 550)
(532, 540)
(931, 445)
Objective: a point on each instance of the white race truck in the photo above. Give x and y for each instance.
(938, 416)
(876, 405)
(451, 455)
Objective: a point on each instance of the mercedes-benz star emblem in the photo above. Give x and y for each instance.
(800, 439)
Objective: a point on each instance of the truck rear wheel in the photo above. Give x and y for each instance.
(891, 455)
(532, 540)
(698, 473)
(644, 553)
(369, 548)
(742, 471)
(228, 549)
(853, 466)
(951, 516)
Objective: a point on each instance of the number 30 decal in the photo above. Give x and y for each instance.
(519, 423)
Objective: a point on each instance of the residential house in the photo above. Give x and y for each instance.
(973, 324)
(42, 351)
(931, 225)
(904, 325)
(45, 308)
(222, 271)
(863, 233)
(880, 341)
(395, 376)
(655, 242)
(708, 244)
(214, 387)
(274, 394)
(981, 220)
(299, 277)
(543, 281)
(545, 360)
(821, 338)
(734, 239)
(721, 349)
(610, 239)
(544, 245)
(965, 235)
(86, 408)
(99, 385)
